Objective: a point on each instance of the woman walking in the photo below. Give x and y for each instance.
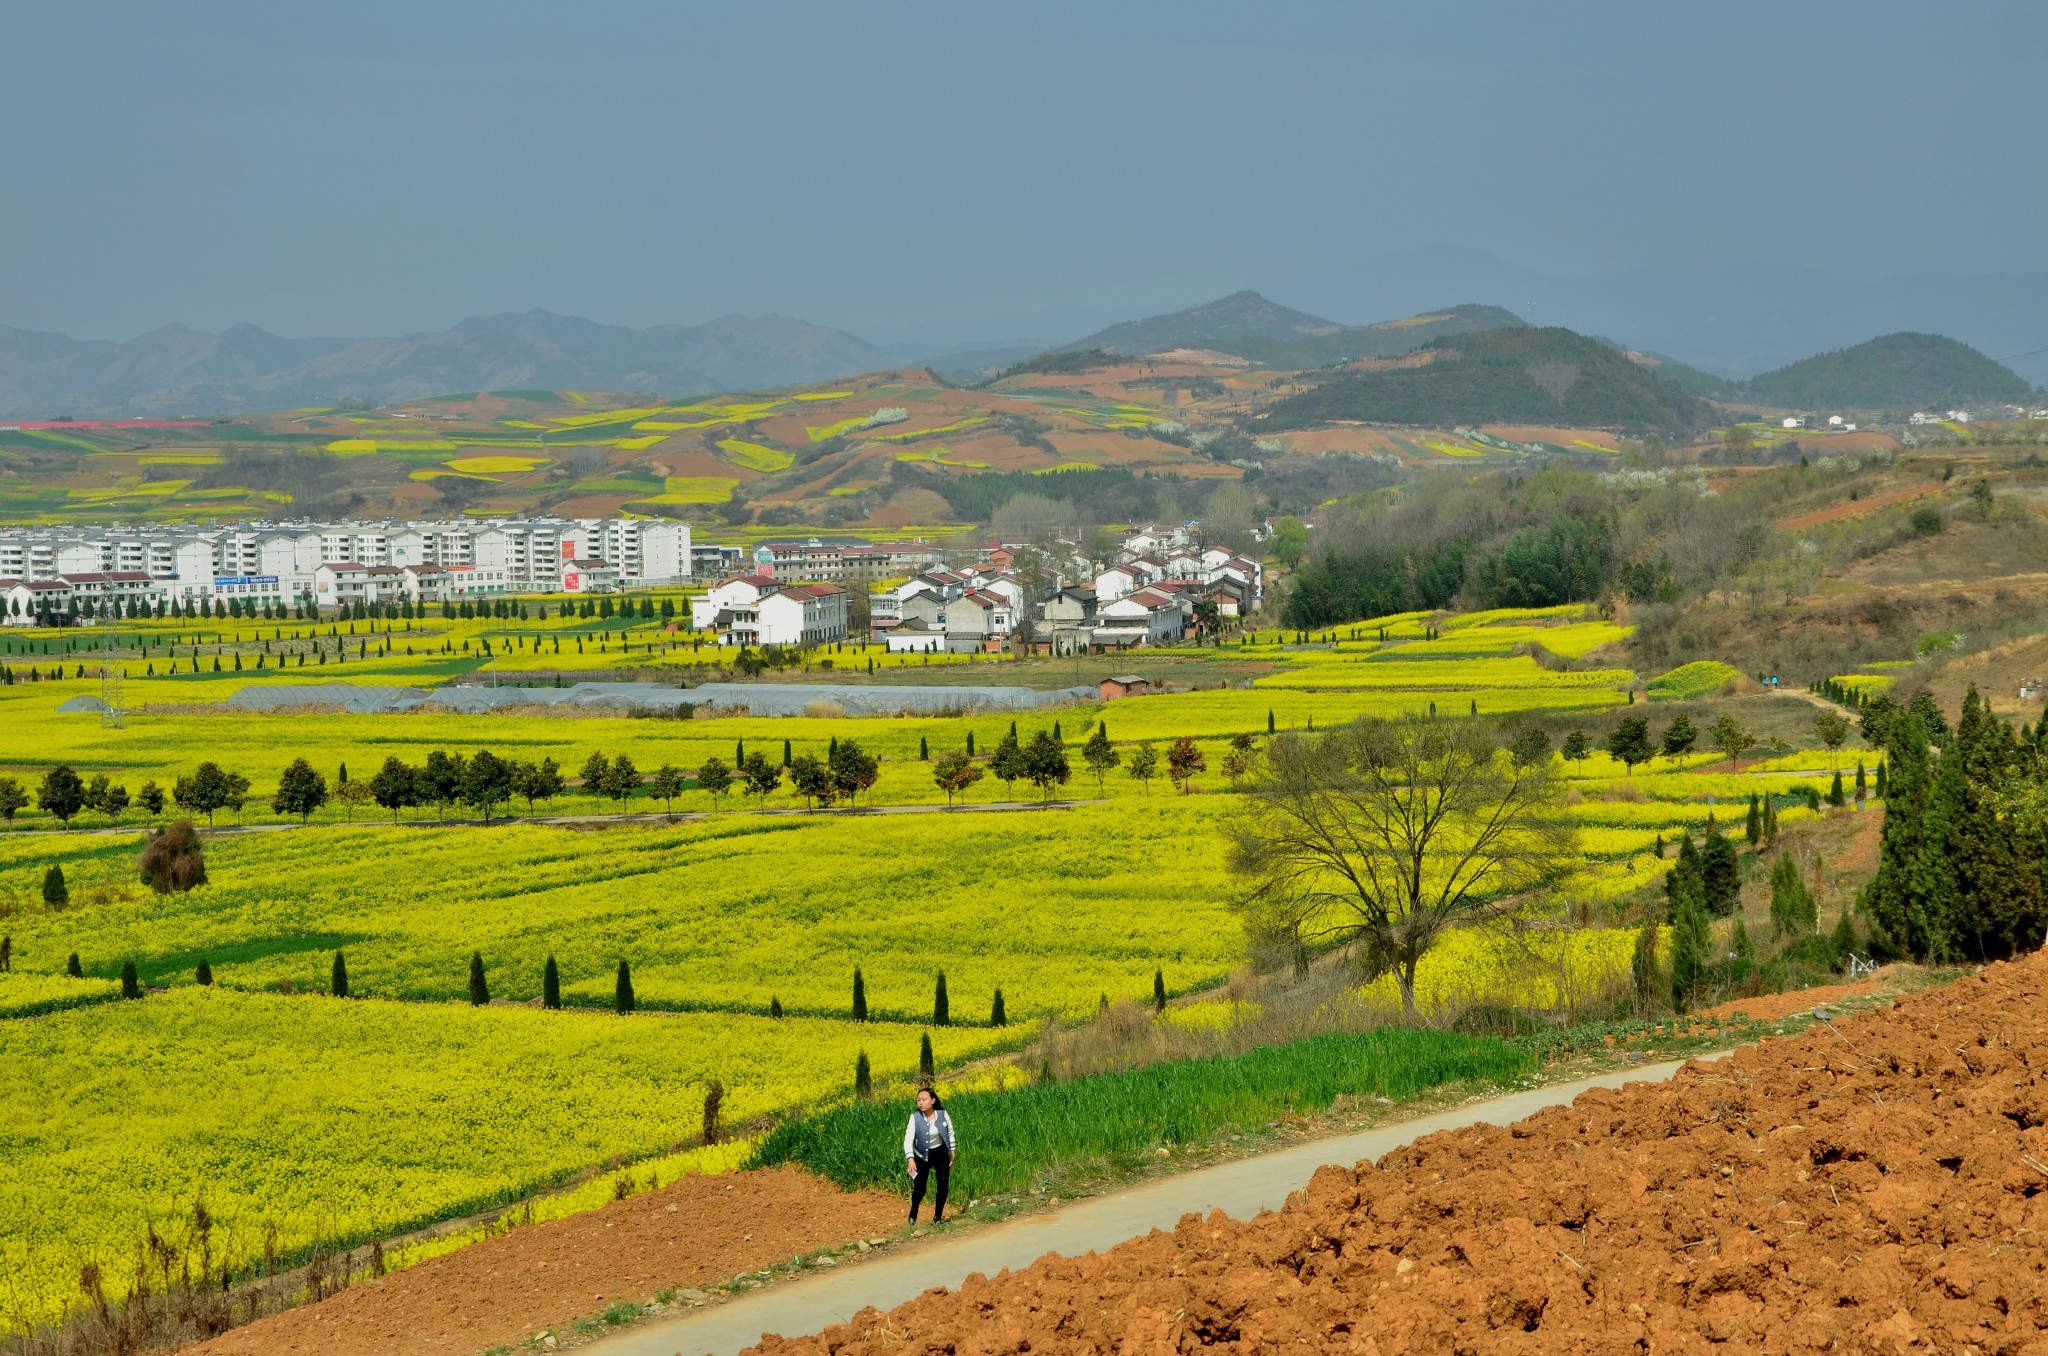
(928, 1152)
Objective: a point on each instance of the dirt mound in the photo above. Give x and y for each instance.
(1772, 1006)
(694, 1233)
(1878, 1185)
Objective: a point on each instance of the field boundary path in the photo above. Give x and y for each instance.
(1093, 1224)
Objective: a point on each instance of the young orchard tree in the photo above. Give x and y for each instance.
(811, 778)
(594, 769)
(1577, 747)
(1528, 745)
(1183, 760)
(300, 790)
(62, 793)
(1100, 755)
(955, 772)
(537, 781)
(1143, 764)
(393, 786)
(621, 780)
(1679, 737)
(1007, 762)
(486, 783)
(210, 789)
(762, 776)
(1728, 735)
(1630, 742)
(352, 795)
(1045, 764)
(1832, 730)
(666, 785)
(853, 769)
(1388, 832)
(715, 779)
(439, 782)
(13, 798)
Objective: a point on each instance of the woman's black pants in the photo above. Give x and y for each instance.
(940, 1166)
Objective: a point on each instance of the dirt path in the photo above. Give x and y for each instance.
(697, 1231)
(1878, 1183)
(1241, 1188)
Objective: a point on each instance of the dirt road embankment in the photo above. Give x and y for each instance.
(696, 1232)
(1878, 1184)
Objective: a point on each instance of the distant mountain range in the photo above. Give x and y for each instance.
(180, 371)
(175, 370)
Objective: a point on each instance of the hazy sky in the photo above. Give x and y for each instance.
(371, 169)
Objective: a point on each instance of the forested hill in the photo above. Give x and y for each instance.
(1506, 376)
(1895, 372)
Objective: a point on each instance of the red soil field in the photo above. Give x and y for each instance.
(1855, 507)
(694, 1233)
(1879, 1184)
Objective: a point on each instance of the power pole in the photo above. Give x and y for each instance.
(112, 716)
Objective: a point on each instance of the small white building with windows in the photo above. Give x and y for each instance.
(803, 614)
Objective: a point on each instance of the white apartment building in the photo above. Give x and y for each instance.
(194, 564)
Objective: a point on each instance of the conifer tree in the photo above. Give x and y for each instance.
(1835, 796)
(73, 968)
(622, 990)
(204, 974)
(714, 1107)
(1159, 990)
(1691, 941)
(1753, 822)
(924, 749)
(479, 991)
(863, 1079)
(1793, 913)
(925, 1068)
(56, 894)
(860, 996)
(550, 984)
(774, 1006)
(942, 1013)
(1642, 965)
(337, 977)
(131, 985)
(996, 1015)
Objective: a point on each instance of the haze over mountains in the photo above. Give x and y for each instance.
(1731, 323)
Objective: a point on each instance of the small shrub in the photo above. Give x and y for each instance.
(714, 1102)
(174, 859)
(131, 986)
(204, 974)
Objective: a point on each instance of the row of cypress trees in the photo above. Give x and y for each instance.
(1963, 861)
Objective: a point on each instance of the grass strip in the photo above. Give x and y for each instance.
(1010, 1138)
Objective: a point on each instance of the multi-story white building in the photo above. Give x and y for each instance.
(493, 556)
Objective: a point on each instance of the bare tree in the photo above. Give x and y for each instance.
(1386, 833)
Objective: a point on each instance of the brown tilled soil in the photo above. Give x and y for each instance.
(1877, 1185)
(695, 1233)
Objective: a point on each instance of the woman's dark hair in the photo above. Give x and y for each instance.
(937, 1105)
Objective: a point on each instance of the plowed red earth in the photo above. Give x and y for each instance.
(695, 1233)
(1881, 1185)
